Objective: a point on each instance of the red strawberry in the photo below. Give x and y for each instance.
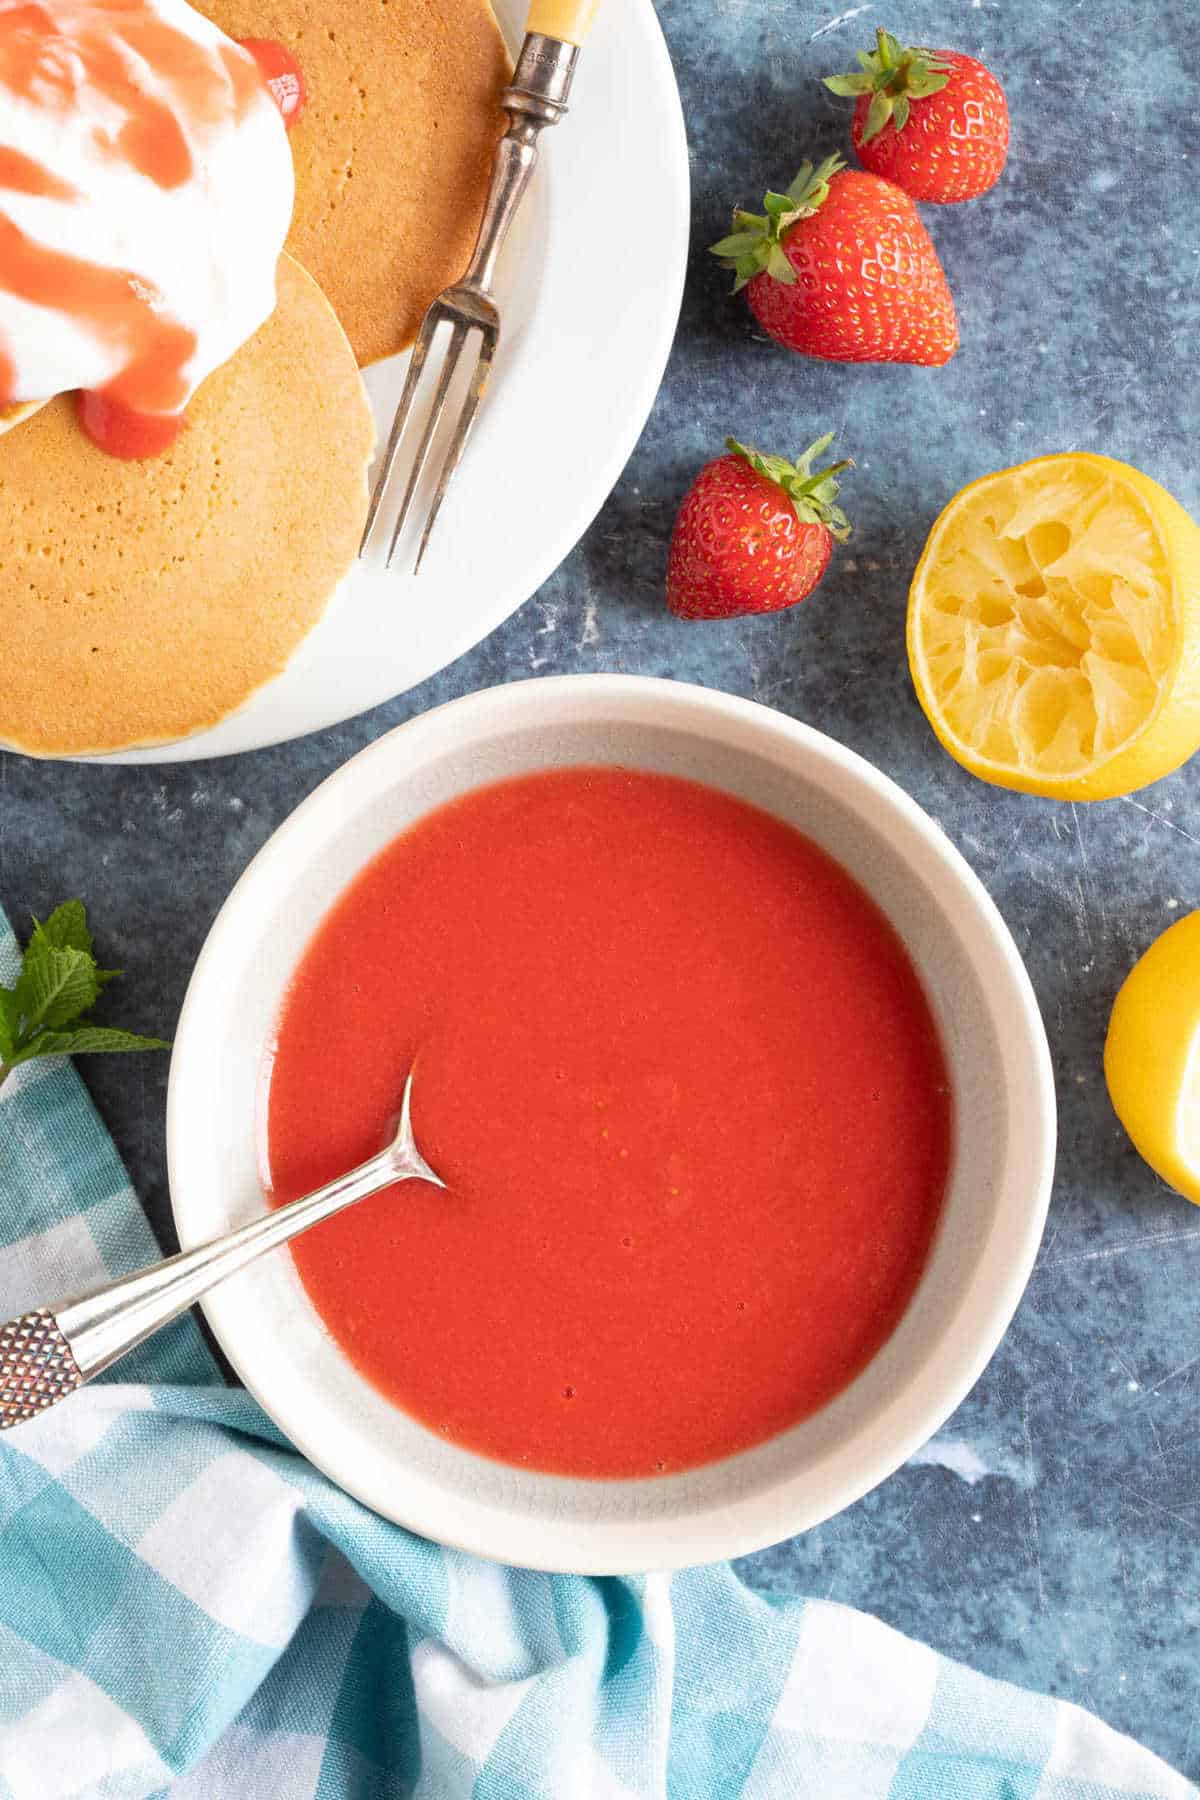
(933, 121)
(754, 533)
(841, 267)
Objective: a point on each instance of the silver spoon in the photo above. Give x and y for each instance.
(48, 1353)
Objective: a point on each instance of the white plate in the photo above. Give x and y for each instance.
(995, 1048)
(582, 354)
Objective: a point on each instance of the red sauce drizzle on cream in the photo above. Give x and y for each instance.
(282, 74)
(120, 431)
(20, 174)
(117, 307)
(38, 64)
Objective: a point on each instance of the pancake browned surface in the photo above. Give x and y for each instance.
(17, 412)
(393, 150)
(142, 601)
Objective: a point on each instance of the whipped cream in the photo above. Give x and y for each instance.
(146, 189)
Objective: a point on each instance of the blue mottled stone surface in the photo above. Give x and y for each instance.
(1050, 1533)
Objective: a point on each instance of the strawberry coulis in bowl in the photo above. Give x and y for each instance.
(735, 1076)
(685, 1087)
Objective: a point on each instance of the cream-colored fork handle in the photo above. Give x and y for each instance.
(568, 20)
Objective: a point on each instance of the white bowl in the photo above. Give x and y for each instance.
(1000, 1178)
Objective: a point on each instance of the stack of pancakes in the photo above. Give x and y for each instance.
(143, 601)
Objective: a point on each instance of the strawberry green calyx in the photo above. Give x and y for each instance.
(755, 244)
(813, 492)
(894, 76)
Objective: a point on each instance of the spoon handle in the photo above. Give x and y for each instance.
(47, 1353)
(36, 1367)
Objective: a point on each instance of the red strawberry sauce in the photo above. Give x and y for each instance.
(687, 1092)
(281, 71)
(112, 424)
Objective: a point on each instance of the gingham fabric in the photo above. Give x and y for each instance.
(185, 1604)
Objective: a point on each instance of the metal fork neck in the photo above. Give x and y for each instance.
(542, 79)
(536, 98)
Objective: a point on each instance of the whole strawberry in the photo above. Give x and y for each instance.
(933, 121)
(754, 533)
(841, 267)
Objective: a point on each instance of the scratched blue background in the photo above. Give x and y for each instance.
(1050, 1533)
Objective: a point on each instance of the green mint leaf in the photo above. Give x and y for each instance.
(9, 1023)
(85, 1040)
(65, 929)
(43, 1014)
(54, 987)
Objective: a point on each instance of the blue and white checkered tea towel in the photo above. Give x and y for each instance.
(186, 1604)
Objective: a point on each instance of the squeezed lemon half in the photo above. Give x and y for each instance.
(1054, 628)
(1152, 1055)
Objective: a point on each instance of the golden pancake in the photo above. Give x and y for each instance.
(393, 151)
(142, 601)
(20, 409)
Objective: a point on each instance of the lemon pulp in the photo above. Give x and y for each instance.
(1045, 626)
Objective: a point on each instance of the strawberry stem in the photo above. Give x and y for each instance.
(894, 76)
(813, 492)
(755, 245)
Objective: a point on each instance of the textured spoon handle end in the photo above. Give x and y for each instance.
(37, 1368)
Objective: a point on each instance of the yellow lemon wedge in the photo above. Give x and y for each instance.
(1152, 1055)
(1054, 628)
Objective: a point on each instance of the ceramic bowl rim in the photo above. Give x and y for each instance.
(746, 1523)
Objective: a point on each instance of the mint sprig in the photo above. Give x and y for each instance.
(44, 1012)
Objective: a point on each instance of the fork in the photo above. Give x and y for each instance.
(47, 1353)
(535, 98)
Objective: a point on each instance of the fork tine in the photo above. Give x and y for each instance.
(458, 338)
(462, 431)
(425, 336)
